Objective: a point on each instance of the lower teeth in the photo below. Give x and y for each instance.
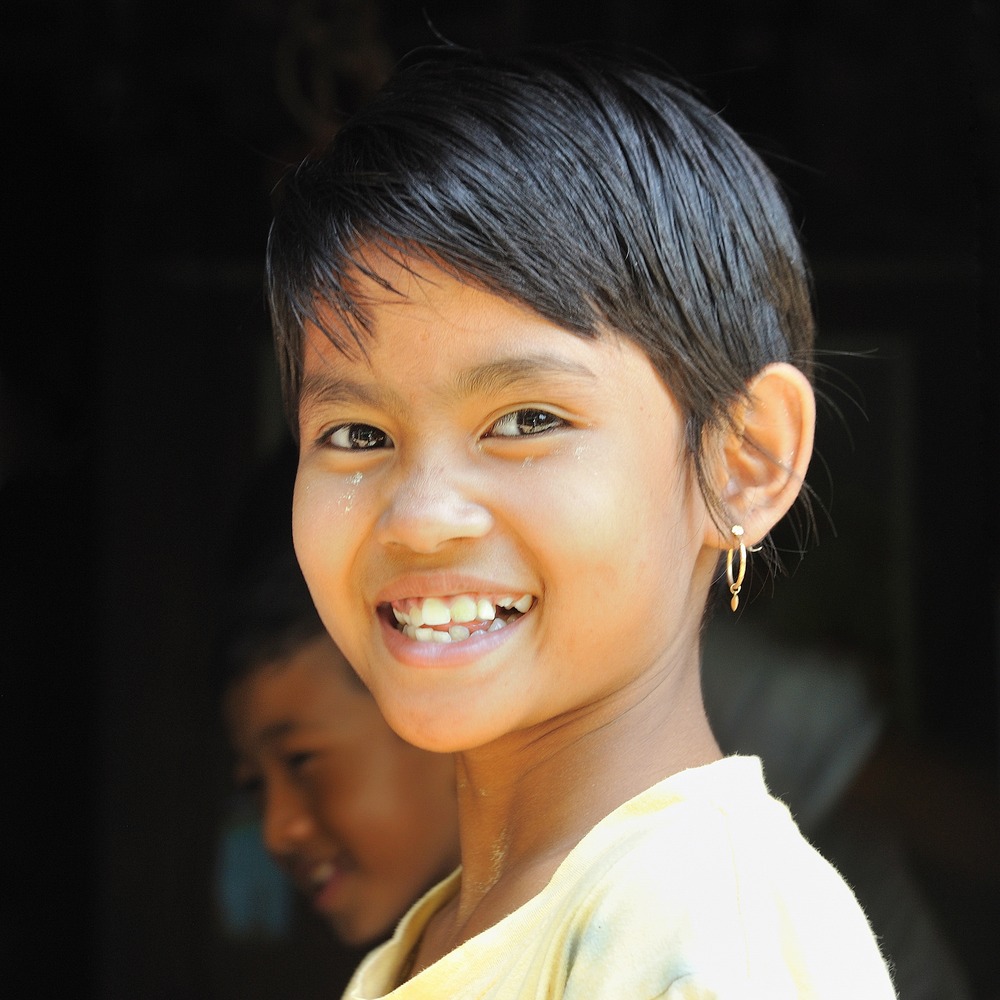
(457, 633)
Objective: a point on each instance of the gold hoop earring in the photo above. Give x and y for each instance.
(736, 583)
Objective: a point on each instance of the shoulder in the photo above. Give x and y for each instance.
(383, 968)
(707, 883)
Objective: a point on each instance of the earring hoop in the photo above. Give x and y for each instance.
(736, 583)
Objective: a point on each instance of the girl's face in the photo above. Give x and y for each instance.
(482, 465)
(361, 821)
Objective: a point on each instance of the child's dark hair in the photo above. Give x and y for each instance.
(269, 618)
(593, 190)
(266, 613)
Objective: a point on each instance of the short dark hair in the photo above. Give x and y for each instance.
(266, 613)
(593, 189)
(269, 618)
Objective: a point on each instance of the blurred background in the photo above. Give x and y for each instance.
(137, 397)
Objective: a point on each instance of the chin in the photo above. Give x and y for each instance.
(354, 935)
(445, 727)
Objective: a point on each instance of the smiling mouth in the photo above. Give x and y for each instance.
(455, 619)
(313, 879)
(321, 874)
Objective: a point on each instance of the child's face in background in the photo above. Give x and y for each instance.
(482, 452)
(361, 821)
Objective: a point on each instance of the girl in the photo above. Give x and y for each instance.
(545, 330)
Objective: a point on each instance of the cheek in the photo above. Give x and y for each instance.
(598, 509)
(621, 536)
(322, 548)
(324, 515)
(401, 808)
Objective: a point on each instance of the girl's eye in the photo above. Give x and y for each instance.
(524, 422)
(357, 437)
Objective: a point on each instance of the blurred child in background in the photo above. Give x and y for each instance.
(362, 822)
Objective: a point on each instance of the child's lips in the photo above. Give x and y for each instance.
(443, 584)
(321, 882)
(437, 647)
(309, 874)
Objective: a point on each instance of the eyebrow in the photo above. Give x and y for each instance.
(324, 387)
(495, 376)
(489, 378)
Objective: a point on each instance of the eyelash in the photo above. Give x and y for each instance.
(540, 422)
(253, 785)
(369, 430)
(549, 422)
(296, 761)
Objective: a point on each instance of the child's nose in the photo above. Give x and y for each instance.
(431, 506)
(286, 822)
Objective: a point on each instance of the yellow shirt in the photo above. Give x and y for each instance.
(700, 887)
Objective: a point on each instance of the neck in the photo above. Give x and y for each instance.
(527, 800)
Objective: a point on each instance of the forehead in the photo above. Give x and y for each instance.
(311, 687)
(387, 295)
(430, 324)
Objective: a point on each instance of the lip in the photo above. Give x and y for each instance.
(413, 653)
(422, 585)
(325, 897)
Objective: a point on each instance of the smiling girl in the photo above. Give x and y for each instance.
(545, 331)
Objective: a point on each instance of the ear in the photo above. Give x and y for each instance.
(764, 455)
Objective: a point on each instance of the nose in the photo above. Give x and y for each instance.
(429, 507)
(286, 821)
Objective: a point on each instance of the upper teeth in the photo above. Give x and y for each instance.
(458, 610)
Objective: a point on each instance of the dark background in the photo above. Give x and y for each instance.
(137, 394)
